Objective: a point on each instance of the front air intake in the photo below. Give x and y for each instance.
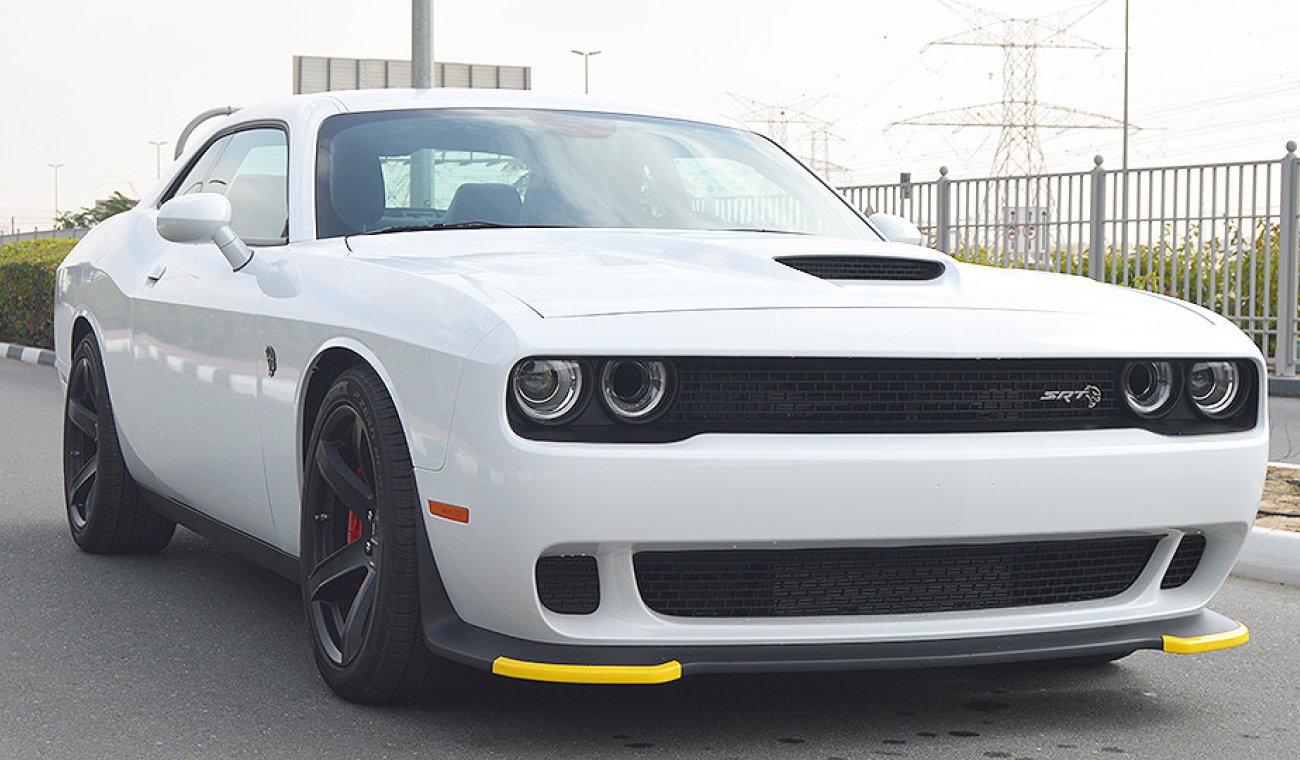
(1186, 559)
(865, 268)
(888, 580)
(569, 584)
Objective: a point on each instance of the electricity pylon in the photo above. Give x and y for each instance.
(1019, 115)
(776, 119)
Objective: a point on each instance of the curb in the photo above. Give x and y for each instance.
(1286, 387)
(41, 356)
(1270, 555)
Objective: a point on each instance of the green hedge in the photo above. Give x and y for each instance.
(27, 290)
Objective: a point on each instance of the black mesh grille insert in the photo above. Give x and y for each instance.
(893, 395)
(568, 584)
(885, 581)
(864, 267)
(1186, 559)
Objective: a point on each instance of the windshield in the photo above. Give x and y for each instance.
(458, 168)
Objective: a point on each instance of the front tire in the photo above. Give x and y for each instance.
(360, 524)
(105, 512)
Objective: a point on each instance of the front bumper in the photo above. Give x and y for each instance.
(449, 636)
(529, 499)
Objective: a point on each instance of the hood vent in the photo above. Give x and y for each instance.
(864, 267)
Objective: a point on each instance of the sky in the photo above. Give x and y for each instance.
(89, 84)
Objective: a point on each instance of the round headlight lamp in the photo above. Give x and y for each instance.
(546, 390)
(634, 390)
(1148, 387)
(1214, 387)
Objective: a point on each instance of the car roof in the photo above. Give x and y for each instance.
(403, 99)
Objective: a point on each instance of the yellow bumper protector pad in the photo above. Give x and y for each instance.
(1195, 644)
(628, 674)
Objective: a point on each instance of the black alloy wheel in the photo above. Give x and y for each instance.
(105, 511)
(345, 550)
(360, 523)
(81, 442)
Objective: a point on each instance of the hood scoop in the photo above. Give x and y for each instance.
(865, 267)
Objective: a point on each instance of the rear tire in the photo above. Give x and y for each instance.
(105, 511)
(360, 543)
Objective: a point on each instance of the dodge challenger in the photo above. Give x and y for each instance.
(576, 391)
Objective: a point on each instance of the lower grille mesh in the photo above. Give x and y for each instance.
(885, 581)
(1186, 559)
(568, 584)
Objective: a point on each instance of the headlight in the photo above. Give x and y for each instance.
(1214, 387)
(1148, 386)
(634, 390)
(547, 389)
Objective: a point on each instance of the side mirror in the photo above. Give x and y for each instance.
(896, 229)
(200, 218)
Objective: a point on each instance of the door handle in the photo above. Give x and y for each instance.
(156, 273)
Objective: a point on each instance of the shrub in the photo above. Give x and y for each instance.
(27, 290)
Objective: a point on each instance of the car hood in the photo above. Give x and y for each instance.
(573, 273)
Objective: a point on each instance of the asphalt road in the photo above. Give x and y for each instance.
(196, 653)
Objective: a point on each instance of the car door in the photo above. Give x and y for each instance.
(197, 345)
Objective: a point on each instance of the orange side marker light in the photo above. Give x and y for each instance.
(448, 511)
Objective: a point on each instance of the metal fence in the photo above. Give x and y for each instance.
(75, 234)
(1223, 236)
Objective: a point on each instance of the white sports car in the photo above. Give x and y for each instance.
(570, 391)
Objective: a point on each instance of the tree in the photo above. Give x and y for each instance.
(92, 215)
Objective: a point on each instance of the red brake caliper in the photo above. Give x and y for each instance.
(354, 522)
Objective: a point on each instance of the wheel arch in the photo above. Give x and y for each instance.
(329, 362)
(81, 326)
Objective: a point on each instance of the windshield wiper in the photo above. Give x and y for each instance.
(466, 225)
(758, 229)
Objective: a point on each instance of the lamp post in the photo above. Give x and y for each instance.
(157, 157)
(586, 68)
(56, 168)
(421, 44)
(1124, 153)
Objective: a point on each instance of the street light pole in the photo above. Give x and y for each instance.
(157, 157)
(1124, 159)
(586, 68)
(56, 168)
(422, 44)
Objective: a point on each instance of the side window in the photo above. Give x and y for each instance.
(195, 177)
(250, 168)
(253, 172)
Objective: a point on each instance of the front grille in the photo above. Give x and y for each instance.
(893, 395)
(568, 584)
(1186, 559)
(811, 395)
(887, 581)
(864, 267)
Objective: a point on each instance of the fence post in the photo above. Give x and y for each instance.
(1288, 266)
(1097, 223)
(943, 212)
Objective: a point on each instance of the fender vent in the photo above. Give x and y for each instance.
(864, 267)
